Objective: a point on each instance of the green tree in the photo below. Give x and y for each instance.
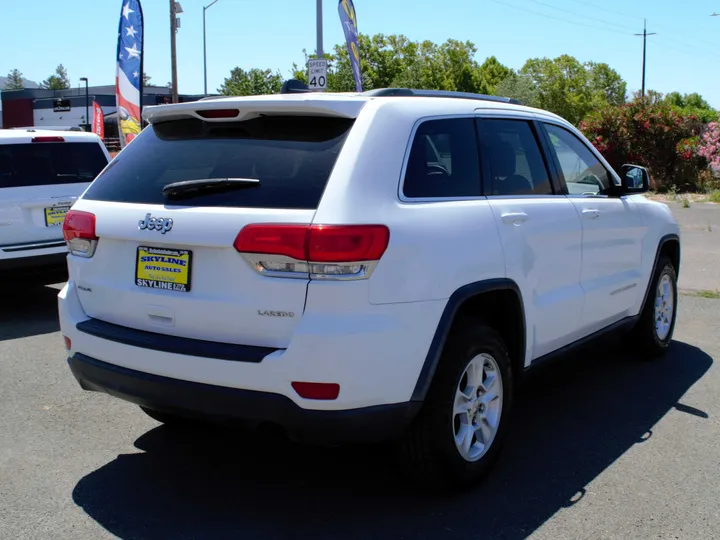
(58, 81)
(253, 82)
(14, 80)
(396, 61)
(146, 79)
(490, 74)
(691, 104)
(606, 84)
(519, 87)
(572, 89)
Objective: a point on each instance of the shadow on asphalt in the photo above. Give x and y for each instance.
(28, 311)
(571, 422)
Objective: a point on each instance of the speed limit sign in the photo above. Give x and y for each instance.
(317, 75)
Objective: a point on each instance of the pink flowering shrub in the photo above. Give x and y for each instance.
(709, 146)
(648, 131)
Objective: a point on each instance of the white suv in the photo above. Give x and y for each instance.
(42, 173)
(356, 267)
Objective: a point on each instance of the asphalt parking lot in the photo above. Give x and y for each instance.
(603, 446)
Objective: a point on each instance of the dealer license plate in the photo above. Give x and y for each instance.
(159, 268)
(55, 216)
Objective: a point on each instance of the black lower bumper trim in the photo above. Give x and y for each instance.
(369, 424)
(173, 344)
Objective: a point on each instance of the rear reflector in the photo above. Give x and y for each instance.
(68, 343)
(316, 243)
(79, 233)
(48, 139)
(313, 390)
(219, 113)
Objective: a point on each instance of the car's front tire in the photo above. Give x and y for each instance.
(456, 437)
(654, 330)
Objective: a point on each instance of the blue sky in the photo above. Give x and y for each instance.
(81, 34)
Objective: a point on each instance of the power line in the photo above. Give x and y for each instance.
(539, 14)
(692, 51)
(599, 8)
(581, 15)
(664, 28)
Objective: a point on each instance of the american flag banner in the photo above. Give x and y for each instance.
(129, 79)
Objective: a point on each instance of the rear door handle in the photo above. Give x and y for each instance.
(591, 213)
(514, 217)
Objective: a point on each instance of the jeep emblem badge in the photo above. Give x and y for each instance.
(155, 224)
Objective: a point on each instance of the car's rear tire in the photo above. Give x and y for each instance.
(456, 437)
(653, 332)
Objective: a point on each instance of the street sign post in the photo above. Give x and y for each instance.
(317, 75)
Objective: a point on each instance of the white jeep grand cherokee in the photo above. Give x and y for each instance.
(42, 173)
(356, 267)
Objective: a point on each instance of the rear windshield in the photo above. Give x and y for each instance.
(50, 163)
(291, 156)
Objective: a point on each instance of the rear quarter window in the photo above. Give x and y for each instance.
(50, 163)
(291, 156)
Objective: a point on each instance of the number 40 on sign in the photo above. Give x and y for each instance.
(317, 75)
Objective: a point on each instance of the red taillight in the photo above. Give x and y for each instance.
(48, 139)
(79, 224)
(68, 343)
(346, 243)
(316, 243)
(313, 390)
(288, 240)
(79, 233)
(219, 113)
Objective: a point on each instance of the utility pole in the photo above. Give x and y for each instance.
(319, 16)
(87, 103)
(205, 8)
(644, 36)
(174, 9)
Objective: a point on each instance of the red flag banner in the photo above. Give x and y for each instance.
(98, 121)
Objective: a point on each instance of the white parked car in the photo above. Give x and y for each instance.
(42, 173)
(357, 267)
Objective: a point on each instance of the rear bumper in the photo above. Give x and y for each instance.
(368, 424)
(52, 267)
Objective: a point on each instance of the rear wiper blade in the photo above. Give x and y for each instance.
(191, 188)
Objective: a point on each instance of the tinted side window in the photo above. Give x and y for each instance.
(583, 172)
(514, 158)
(43, 164)
(443, 160)
(291, 157)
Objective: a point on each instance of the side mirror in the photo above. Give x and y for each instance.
(635, 179)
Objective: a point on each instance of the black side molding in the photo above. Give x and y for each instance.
(173, 344)
(446, 320)
(618, 327)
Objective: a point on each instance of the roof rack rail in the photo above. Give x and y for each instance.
(406, 92)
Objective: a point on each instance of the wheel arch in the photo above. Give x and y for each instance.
(668, 245)
(498, 300)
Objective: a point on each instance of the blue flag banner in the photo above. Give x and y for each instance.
(129, 75)
(348, 18)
